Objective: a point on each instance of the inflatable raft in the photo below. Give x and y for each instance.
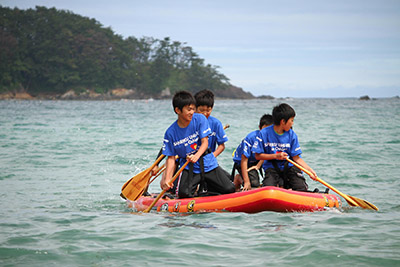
(261, 199)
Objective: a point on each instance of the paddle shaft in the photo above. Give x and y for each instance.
(165, 190)
(346, 197)
(156, 162)
(159, 171)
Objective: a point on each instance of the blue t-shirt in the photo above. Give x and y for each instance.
(218, 135)
(245, 148)
(186, 141)
(269, 142)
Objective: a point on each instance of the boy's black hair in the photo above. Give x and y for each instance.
(181, 99)
(204, 98)
(266, 119)
(282, 111)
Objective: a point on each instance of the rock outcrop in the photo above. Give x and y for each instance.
(365, 98)
(233, 92)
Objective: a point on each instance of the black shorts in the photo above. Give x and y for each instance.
(217, 182)
(294, 179)
(253, 174)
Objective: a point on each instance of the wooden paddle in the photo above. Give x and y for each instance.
(353, 201)
(159, 171)
(133, 188)
(139, 183)
(165, 190)
(141, 175)
(162, 168)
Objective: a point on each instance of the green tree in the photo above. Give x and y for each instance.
(45, 50)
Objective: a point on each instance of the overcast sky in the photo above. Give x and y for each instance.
(339, 48)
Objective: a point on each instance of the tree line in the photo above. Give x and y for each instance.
(50, 51)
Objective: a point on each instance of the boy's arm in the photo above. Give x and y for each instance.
(221, 139)
(204, 145)
(256, 167)
(169, 171)
(277, 156)
(301, 162)
(245, 175)
(220, 148)
(259, 164)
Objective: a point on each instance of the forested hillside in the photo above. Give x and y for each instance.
(50, 51)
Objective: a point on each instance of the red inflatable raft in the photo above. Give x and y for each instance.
(261, 199)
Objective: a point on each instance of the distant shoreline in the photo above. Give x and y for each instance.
(90, 96)
(232, 92)
(103, 97)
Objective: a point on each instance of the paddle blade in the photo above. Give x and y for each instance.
(134, 187)
(363, 203)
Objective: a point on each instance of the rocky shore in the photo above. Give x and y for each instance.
(122, 93)
(232, 92)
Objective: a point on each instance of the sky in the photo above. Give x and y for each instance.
(286, 48)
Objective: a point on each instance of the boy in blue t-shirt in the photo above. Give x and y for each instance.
(244, 158)
(187, 137)
(204, 105)
(277, 142)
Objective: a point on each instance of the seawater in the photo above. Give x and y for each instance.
(63, 164)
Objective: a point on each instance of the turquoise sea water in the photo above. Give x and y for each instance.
(63, 164)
